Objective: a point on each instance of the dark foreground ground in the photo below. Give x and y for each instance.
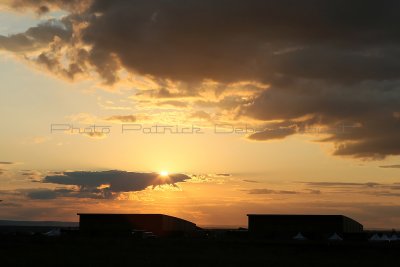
(70, 251)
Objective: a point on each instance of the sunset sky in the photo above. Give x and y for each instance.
(280, 107)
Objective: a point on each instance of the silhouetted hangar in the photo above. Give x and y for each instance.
(272, 225)
(159, 224)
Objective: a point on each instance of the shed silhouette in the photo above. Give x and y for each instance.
(159, 224)
(278, 225)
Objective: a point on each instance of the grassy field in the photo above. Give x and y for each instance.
(70, 251)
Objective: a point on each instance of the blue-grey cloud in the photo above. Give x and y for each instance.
(42, 193)
(37, 37)
(46, 194)
(103, 184)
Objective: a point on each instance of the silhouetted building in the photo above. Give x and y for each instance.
(272, 225)
(123, 224)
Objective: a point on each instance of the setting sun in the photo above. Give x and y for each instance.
(164, 173)
(238, 113)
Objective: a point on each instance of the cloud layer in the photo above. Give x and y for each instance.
(101, 184)
(327, 63)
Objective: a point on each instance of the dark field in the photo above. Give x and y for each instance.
(70, 251)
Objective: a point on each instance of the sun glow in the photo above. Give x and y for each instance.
(164, 173)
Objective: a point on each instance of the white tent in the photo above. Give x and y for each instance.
(375, 238)
(299, 236)
(335, 237)
(53, 232)
(384, 237)
(394, 237)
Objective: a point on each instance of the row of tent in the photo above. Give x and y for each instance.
(53, 232)
(384, 237)
(334, 237)
(374, 238)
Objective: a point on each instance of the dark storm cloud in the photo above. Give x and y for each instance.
(363, 115)
(230, 40)
(331, 62)
(233, 40)
(104, 184)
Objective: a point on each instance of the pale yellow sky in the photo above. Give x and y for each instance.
(296, 174)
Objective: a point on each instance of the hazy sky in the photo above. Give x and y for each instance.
(314, 82)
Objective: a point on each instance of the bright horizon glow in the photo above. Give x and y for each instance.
(217, 175)
(164, 173)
